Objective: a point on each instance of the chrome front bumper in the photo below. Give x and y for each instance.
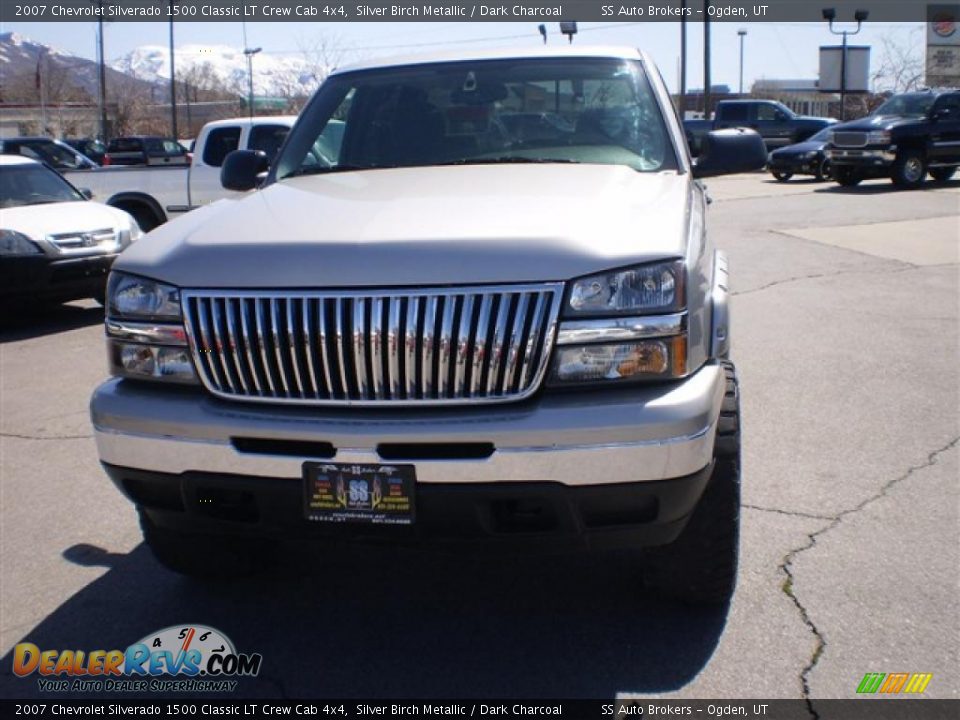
(644, 433)
(856, 156)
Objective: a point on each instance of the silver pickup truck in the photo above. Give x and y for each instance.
(485, 310)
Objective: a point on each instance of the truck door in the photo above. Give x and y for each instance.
(773, 124)
(205, 172)
(945, 130)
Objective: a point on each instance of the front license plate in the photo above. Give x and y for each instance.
(371, 494)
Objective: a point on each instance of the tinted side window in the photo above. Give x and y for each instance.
(268, 138)
(172, 147)
(735, 113)
(154, 146)
(768, 112)
(950, 103)
(125, 145)
(220, 142)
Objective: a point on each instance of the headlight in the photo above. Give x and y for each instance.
(645, 360)
(135, 297)
(633, 291)
(145, 334)
(810, 155)
(130, 235)
(14, 243)
(879, 137)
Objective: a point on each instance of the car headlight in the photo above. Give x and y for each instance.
(633, 291)
(623, 325)
(130, 296)
(13, 243)
(146, 338)
(129, 235)
(879, 137)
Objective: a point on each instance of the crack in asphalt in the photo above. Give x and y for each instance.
(791, 513)
(18, 436)
(788, 559)
(907, 267)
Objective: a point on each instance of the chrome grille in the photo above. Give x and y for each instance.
(849, 139)
(66, 242)
(439, 346)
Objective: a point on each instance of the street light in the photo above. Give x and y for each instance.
(742, 34)
(250, 52)
(829, 14)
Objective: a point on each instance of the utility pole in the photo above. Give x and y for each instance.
(706, 59)
(683, 59)
(250, 52)
(102, 83)
(173, 81)
(742, 33)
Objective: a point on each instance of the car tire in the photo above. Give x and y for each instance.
(847, 177)
(202, 556)
(781, 176)
(824, 171)
(700, 566)
(941, 175)
(909, 169)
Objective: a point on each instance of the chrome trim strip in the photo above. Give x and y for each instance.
(150, 333)
(622, 329)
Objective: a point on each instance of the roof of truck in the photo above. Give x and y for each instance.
(461, 55)
(257, 120)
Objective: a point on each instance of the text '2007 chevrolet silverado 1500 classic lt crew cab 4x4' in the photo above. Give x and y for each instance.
(433, 331)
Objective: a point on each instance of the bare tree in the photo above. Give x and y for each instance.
(322, 54)
(901, 67)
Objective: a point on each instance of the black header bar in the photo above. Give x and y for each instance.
(738, 11)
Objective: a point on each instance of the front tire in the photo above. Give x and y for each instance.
(700, 566)
(941, 175)
(847, 177)
(781, 176)
(202, 556)
(909, 169)
(824, 171)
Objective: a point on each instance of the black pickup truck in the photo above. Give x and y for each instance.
(908, 136)
(777, 124)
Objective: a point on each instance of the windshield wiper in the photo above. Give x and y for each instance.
(508, 159)
(321, 170)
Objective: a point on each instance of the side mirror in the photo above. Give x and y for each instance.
(725, 152)
(241, 169)
(87, 193)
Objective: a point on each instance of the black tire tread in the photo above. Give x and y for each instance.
(700, 566)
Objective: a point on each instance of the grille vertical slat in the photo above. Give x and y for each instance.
(394, 347)
(410, 344)
(428, 386)
(462, 355)
(496, 357)
(441, 346)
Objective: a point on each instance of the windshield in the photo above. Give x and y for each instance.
(563, 110)
(59, 156)
(904, 105)
(33, 185)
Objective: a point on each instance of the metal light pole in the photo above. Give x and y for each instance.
(102, 74)
(173, 82)
(742, 34)
(706, 59)
(830, 14)
(683, 59)
(250, 52)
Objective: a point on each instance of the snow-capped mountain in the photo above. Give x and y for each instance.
(272, 74)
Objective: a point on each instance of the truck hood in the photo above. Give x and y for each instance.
(423, 226)
(878, 122)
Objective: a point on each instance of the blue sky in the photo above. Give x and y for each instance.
(772, 50)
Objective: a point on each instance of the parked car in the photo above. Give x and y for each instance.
(145, 150)
(155, 194)
(55, 244)
(429, 333)
(806, 158)
(777, 123)
(93, 149)
(908, 136)
(54, 153)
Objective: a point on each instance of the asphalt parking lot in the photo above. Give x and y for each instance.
(846, 339)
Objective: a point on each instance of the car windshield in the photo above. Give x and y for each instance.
(904, 105)
(53, 153)
(576, 110)
(33, 185)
